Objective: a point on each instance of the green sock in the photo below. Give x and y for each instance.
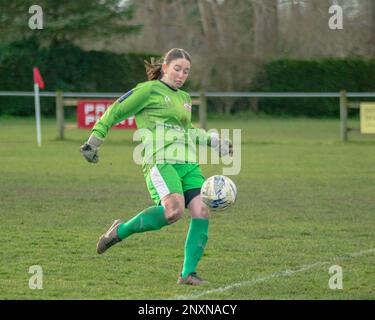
(152, 218)
(194, 246)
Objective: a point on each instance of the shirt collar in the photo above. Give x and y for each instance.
(168, 85)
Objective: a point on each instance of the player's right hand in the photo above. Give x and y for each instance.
(90, 152)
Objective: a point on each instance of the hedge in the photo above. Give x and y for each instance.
(324, 75)
(65, 67)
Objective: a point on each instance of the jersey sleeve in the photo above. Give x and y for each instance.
(199, 135)
(127, 105)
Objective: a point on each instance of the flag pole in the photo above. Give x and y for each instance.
(37, 115)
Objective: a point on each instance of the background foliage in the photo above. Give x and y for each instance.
(64, 67)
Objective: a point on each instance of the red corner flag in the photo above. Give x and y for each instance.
(38, 78)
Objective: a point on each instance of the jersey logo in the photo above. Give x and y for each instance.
(123, 97)
(167, 99)
(187, 106)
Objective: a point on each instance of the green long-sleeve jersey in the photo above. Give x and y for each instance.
(164, 114)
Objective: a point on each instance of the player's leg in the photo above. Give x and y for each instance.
(197, 235)
(165, 188)
(196, 241)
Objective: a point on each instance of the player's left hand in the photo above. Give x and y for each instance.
(225, 147)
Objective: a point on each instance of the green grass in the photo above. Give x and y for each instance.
(303, 197)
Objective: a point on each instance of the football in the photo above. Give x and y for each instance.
(219, 192)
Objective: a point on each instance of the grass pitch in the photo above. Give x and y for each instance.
(305, 203)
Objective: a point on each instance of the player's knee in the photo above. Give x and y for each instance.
(201, 212)
(205, 212)
(174, 208)
(199, 209)
(175, 215)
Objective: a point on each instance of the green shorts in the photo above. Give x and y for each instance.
(183, 178)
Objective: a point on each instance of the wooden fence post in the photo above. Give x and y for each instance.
(60, 114)
(343, 116)
(203, 110)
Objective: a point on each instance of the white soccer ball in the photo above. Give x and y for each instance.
(219, 192)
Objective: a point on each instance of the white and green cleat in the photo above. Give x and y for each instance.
(109, 238)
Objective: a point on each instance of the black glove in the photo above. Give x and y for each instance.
(90, 149)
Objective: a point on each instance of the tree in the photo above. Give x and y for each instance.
(265, 28)
(66, 20)
(371, 5)
(218, 34)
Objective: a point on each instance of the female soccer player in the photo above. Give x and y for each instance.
(173, 183)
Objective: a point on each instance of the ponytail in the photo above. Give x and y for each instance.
(153, 69)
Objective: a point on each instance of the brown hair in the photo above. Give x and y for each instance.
(153, 68)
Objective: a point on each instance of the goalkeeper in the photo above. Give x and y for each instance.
(173, 184)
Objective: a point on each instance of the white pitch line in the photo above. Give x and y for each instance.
(279, 274)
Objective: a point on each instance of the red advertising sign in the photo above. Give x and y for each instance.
(90, 111)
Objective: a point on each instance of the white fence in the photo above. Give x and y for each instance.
(343, 97)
